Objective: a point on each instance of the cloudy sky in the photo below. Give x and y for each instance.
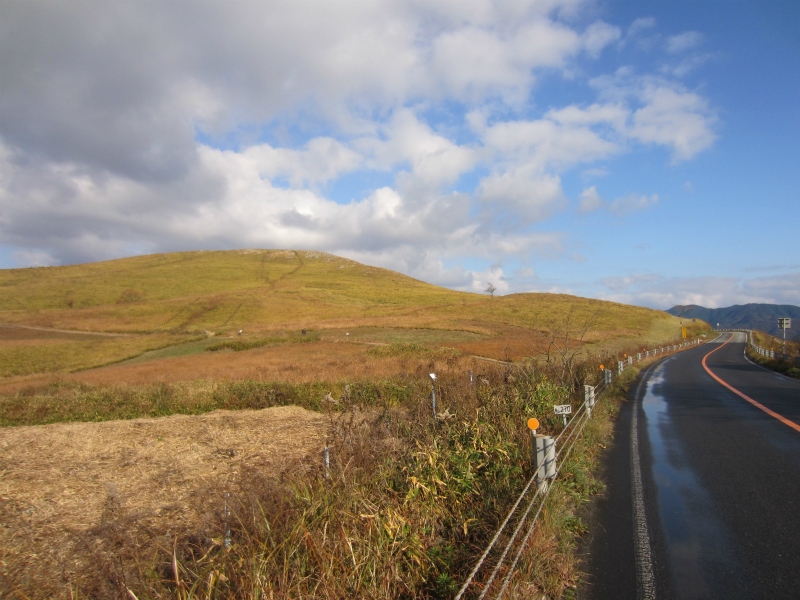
(644, 152)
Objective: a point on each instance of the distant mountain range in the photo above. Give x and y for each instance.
(745, 316)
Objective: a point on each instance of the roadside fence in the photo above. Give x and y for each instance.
(767, 353)
(494, 570)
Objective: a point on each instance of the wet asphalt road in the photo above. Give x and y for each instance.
(718, 509)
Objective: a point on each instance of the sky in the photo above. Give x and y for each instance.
(641, 152)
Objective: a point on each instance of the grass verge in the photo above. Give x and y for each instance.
(780, 366)
(407, 507)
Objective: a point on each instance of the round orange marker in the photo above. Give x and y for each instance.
(533, 423)
(602, 367)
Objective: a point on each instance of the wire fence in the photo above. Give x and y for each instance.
(501, 564)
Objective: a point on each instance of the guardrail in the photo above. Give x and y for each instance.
(550, 454)
(756, 348)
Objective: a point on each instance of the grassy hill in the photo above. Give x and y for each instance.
(167, 299)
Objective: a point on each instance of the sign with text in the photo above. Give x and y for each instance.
(563, 409)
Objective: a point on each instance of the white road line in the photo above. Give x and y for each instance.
(645, 580)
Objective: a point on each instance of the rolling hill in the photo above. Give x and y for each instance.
(163, 300)
(270, 289)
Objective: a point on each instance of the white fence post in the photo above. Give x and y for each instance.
(588, 398)
(545, 457)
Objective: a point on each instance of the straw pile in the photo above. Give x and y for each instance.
(59, 484)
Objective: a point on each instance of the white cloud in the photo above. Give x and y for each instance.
(599, 35)
(687, 65)
(321, 160)
(433, 159)
(129, 128)
(674, 118)
(618, 284)
(525, 273)
(684, 41)
(493, 275)
(547, 143)
(33, 259)
(611, 114)
(590, 201)
(632, 203)
(641, 24)
(712, 292)
(667, 113)
(528, 196)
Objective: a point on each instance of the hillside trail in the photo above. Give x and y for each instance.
(277, 280)
(70, 331)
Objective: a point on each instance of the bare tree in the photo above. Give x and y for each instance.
(490, 289)
(564, 341)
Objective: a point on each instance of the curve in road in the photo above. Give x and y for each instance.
(720, 483)
(772, 413)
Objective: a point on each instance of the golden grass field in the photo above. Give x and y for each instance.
(138, 338)
(162, 300)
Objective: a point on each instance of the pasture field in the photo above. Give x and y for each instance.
(152, 450)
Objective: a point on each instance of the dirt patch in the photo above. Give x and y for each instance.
(59, 483)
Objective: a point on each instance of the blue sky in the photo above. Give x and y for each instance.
(642, 152)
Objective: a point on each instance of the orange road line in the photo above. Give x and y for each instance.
(771, 413)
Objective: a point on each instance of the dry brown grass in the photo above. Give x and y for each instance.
(62, 483)
(121, 494)
(104, 492)
(295, 363)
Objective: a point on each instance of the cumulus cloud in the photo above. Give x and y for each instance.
(674, 118)
(525, 195)
(663, 113)
(128, 128)
(430, 160)
(599, 35)
(321, 160)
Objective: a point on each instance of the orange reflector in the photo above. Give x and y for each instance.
(601, 367)
(533, 423)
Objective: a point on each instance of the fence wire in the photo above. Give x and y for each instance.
(541, 490)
